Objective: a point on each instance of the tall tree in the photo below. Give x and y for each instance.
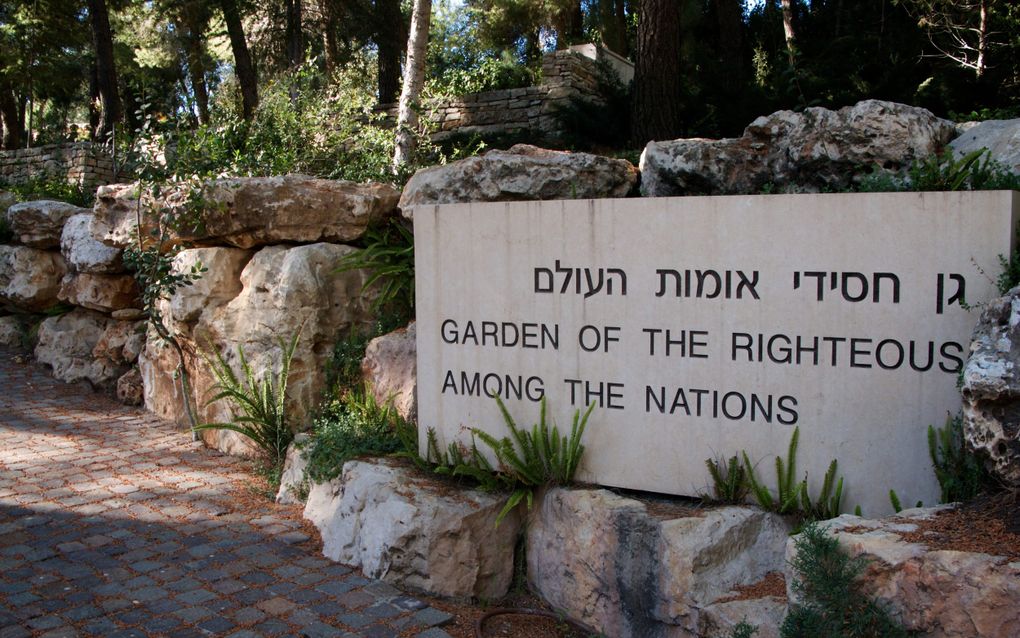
(294, 35)
(960, 30)
(788, 30)
(244, 69)
(414, 79)
(657, 79)
(106, 71)
(730, 20)
(389, 33)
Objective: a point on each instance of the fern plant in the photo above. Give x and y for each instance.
(729, 480)
(389, 256)
(829, 500)
(536, 458)
(261, 401)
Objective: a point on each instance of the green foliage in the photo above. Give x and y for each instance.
(388, 254)
(1009, 274)
(588, 124)
(743, 629)
(831, 603)
(51, 187)
(894, 500)
(827, 504)
(729, 481)
(792, 497)
(786, 500)
(261, 401)
(985, 113)
(537, 458)
(489, 73)
(945, 172)
(349, 426)
(961, 474)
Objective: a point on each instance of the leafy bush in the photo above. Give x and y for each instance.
(343, 369)
(946, 172)
(492, 73)
(51, 187)
(831, 603)
(349, 426)
(961, 474)
(262, 402)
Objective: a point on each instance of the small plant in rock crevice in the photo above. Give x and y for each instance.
(729, 481)
(388, 255)
(960, 473)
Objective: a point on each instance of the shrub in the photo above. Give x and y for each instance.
(388, 254)
(349, 426)
(51, 187)
(831, 603)
(729, 481)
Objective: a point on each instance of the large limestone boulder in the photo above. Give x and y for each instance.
(1000, 137)
(390, 369)
(605, 560)
(83, 252)
(937, 593)
(256, 211)
(814, 150)
(121, 342)
(40, 223)
(129, 387)
(30, 277)
(254, 301)
(991, 388)
(402, 528)
(105, 293)
(66, 343)
(522, 173)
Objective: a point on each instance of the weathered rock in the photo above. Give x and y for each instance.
(83, 252)
(809, 151)
(12, 332)
(604, 560)
(7, 199)
(938, 593)
(30, 277)
(1000, 137)
(128, 314)
(121, 342)
(991, 388)
(220, 282)
(281, 291)
(292, 480)
(40, 223)
(66, 343)
(105, 293)
(390, 369)
(400, 527)
(522, 173)
(256, 211)
(765, 613)
(129, 387)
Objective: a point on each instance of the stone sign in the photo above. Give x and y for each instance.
(703, 326)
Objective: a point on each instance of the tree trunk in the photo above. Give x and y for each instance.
(657, 114)
(982, 49)
(414, 78)
(243, 67)
(106, 72)
(389, 34)
(730, 18)
(13, 133)
(196, 73)
(791, 36)
(295, 41)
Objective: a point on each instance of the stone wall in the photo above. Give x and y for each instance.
(566, 75)
(79, 163)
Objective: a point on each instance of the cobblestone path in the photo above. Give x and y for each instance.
(113, 523)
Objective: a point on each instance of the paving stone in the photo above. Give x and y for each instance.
(115, 522)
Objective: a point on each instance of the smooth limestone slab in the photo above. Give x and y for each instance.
(703, 326)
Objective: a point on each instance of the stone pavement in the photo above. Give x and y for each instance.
(113, 523)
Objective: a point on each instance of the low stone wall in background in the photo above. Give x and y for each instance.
(82, 163)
